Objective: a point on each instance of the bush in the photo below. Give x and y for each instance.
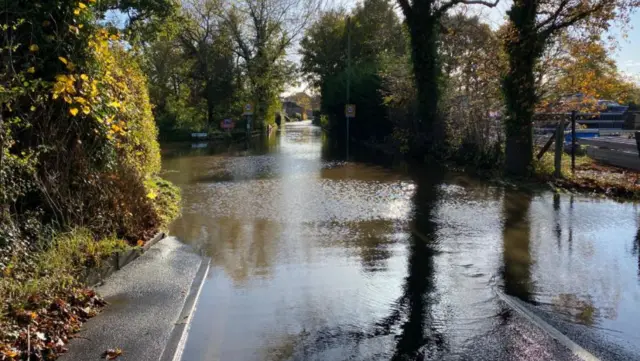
(42, 292)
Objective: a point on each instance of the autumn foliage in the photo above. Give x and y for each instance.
(78, 148)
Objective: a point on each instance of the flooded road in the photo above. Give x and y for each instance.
(315, 258)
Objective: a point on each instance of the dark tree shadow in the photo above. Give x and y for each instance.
(419, 338)
(517, 261)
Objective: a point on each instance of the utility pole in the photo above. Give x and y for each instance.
(348, 76)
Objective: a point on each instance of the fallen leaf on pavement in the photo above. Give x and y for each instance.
(112, 354)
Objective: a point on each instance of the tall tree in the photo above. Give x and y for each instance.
(376, 37)
(532, 23)
(423, 21)
(207, 40)
(263, 30)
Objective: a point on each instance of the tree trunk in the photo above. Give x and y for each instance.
(424, 32)
(524, 48)
(209, 95)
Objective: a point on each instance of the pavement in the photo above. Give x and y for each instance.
(151, 301)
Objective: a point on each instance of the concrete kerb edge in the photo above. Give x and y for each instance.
(547, 328)
(96, 276)
(554, 333)
(178, 338)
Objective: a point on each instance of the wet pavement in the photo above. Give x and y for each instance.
(315, 258)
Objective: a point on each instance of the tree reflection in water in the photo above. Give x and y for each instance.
(419, 338)
(517, 261)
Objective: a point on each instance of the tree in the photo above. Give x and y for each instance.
(472, 65)
(207, 40)
(423, 21)
(532, 24)
(376, 37)
(263, 30)
(589, 70)
(194, 77)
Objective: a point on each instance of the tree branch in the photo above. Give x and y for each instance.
(545, 34)
(553, 16)
(448, 5)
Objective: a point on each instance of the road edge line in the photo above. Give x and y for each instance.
(178, 338)
(547, 328)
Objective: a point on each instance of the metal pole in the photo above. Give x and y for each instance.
(573, 142)
(348, 76)
(558, 154)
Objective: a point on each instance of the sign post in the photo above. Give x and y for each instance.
(248, 112)
(349, 112)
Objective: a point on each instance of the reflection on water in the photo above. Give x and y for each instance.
(315, 258)
(516, 249)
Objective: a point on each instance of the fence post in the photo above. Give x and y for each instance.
(637, 135)
(558, 153)
(573, 142)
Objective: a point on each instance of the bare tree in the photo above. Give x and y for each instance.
(263, 30)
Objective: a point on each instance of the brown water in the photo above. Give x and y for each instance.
(315, 258)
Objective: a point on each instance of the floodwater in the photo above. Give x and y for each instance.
(315, 258)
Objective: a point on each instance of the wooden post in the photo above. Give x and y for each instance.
(559, 144)
(637, 135)
(573, 142)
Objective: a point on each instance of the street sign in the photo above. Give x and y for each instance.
(350, 110)
(248, 109)
(227, 124)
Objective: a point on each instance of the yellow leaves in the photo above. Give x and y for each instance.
(86, 109)
(114, 37)
(80, 100)
(115, 104)
(31, 70)
(73, 111)
(74, 29)
(82, 5)
(76, 11)
(63, 60)
(112, 354)
(152, 195)
(33, 48)
(11, 353)
(94, 88)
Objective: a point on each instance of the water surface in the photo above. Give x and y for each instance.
(316, 258)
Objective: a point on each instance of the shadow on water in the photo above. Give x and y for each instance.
(517, 261)
(419, 339)
(636, 247)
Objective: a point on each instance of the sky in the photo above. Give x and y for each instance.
(627, 55)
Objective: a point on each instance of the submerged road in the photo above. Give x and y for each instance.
(317, 258)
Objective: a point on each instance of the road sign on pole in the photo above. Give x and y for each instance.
(227, 124)
(248, 109)
(350, 110)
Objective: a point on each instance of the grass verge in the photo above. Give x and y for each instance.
(590, 177)
(44, 301)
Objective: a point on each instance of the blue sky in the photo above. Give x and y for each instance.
(627, 55)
